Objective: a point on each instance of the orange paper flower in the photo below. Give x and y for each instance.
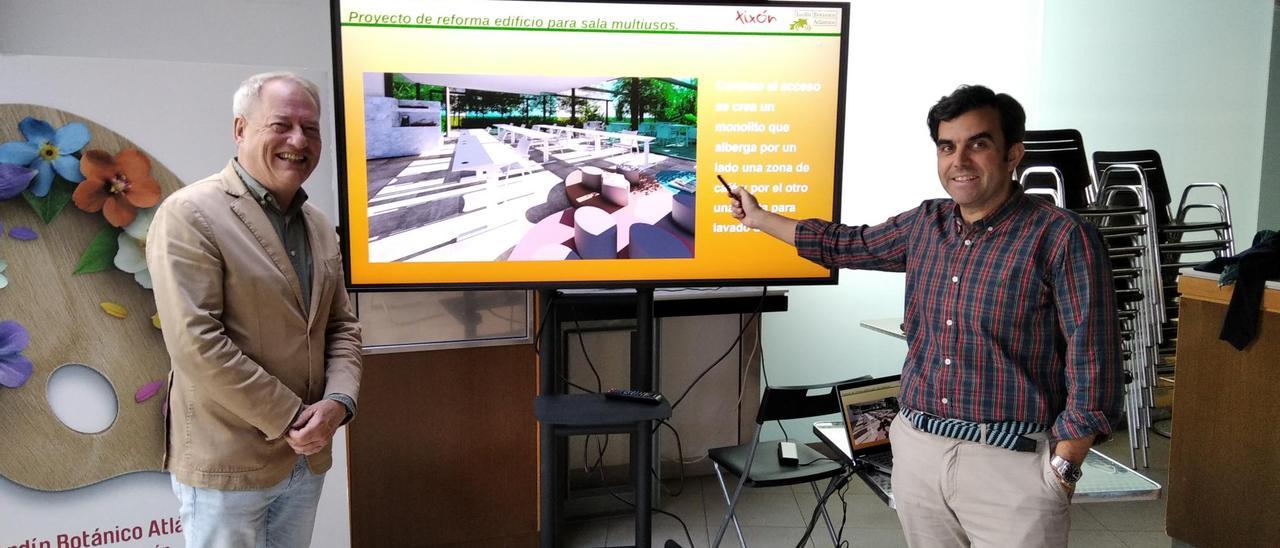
(116, 186)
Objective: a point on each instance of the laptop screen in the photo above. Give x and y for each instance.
(869, 408)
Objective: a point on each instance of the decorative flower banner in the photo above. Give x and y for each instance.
(74, 290)
(120, 187)
(14, 179)
(47, 151)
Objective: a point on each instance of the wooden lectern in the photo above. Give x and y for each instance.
(1224, 465)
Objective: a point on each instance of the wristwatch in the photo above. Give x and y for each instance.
(1068, 472)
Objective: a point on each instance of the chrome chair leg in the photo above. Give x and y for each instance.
(730, 512)
(822, 505)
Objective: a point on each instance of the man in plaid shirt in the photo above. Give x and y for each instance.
(1013, 369)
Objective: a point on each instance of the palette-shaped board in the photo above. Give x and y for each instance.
(62, 312)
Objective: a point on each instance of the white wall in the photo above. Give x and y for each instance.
(1187, 78)
(291, 33)
(900, 62)
(1269, 197)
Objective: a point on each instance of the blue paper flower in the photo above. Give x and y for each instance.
(14, 367)
(47, 151)
(14, 179)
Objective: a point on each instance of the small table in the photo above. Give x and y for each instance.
(480, 152)
(1104, 480)
(889, 326)
(542, 138)
(598, 135)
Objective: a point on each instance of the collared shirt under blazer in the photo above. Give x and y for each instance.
(245, 353)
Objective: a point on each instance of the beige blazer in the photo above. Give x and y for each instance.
(244, 353)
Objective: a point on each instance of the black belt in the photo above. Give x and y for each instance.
(1007, 435)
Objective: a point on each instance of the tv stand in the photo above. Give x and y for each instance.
(561, 414)
(559, 313)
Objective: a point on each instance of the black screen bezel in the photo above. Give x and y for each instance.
(343, 207)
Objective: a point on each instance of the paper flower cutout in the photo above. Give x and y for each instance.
(131, 255)
(14, 179)
(114, 310)
(116, 186)
(23, 233)
(4, 282)
(14, 367)
(47, 151)
(101, 253)
(148, 390)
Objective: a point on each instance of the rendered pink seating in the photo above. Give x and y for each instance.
(556, 229)
(631, 172)
(683, 210)
(580, 191)
(591, 177)
(595, 233)
(651, 242)
(616, 188)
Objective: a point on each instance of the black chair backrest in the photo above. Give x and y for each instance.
(797, 402)
(1152, 168)
(1063, 149)
(782, 403)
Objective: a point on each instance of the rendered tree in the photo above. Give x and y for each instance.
(549, 104)
(641, 96)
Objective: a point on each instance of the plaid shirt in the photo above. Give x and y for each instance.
(1011, 318)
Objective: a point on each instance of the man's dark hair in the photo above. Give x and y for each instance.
(1013, 120)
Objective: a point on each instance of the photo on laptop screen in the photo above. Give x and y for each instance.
(868, 412)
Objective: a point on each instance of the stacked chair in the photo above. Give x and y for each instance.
(1181, 241)
(1129, 204)
(1055, 165)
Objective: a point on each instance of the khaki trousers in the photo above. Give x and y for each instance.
(950, 492)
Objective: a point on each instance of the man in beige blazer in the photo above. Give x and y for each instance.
(264, 346)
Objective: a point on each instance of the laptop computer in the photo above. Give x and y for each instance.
(869, 407)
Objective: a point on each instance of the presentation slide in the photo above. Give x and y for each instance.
(503, 143)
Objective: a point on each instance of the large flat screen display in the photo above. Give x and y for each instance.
(489, 144)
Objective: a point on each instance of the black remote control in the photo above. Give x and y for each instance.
(651, 398)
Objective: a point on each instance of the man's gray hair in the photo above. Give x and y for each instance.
(250, 90)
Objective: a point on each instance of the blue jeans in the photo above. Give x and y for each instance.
(281, 516)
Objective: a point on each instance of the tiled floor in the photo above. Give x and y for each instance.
(776, 517)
